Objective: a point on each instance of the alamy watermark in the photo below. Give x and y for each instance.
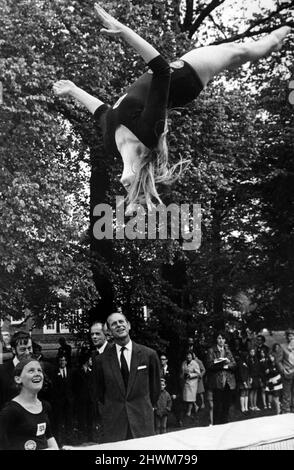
(162, 222)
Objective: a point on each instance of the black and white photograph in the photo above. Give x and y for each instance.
(147, 229)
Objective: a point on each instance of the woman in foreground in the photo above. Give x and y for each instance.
(24, 421)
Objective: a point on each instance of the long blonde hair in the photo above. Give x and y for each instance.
(154, 168)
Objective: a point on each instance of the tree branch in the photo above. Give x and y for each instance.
(217, 26)
(249, 34)
(248, 31)
(188, 20)
(204, 14)
(262, 21)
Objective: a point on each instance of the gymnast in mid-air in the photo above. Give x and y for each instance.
(135, 127)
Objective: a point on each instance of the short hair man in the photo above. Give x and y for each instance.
(64, 350)
(100, 344)
(128, 384)
(63, 400)
(98, 338)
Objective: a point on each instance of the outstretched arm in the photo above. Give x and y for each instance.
(113, 27)
(68, 88)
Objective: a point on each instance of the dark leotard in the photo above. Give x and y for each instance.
(143, 108)
(22, 430)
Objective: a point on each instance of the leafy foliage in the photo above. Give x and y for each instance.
(239, 136)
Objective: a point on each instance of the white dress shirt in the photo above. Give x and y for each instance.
(101, 350)
(15, 361)
(127, 353)
(63, 372)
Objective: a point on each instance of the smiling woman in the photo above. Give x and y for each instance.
(24, 421)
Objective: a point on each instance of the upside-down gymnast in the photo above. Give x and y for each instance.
(135, 127)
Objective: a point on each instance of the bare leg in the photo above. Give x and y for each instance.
(277, 405)
(251, 399)
(210, 406)
(246, 401)
(242, 402)
(189, 409)
(255, 398)
(157, 424)
(163, 424)
(212, 60)
(263, 397)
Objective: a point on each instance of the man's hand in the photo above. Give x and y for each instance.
(63, 87)
(111, 25)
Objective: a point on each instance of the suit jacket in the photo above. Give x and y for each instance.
(133, 407)
(94, 391)
(62, 390)
(82, 382)
(218, 377)
(95, 355)
(8, 387)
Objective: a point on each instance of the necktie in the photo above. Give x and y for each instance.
(124, 367)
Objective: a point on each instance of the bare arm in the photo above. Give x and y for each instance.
(114, 28)
(52, 444)
(68, 88)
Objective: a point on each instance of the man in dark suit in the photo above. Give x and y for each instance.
(128, 384)
(64, 350)
(63, 399)
(21, 345)
(100, 345)
(83, 395)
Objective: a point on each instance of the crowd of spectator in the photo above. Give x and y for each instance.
(239, 370)
(234, 369)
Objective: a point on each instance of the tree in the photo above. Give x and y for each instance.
(43, 198)
(224, 133)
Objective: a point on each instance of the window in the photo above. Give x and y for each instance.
(50, 328)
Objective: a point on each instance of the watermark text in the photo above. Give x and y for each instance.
(161, 222)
